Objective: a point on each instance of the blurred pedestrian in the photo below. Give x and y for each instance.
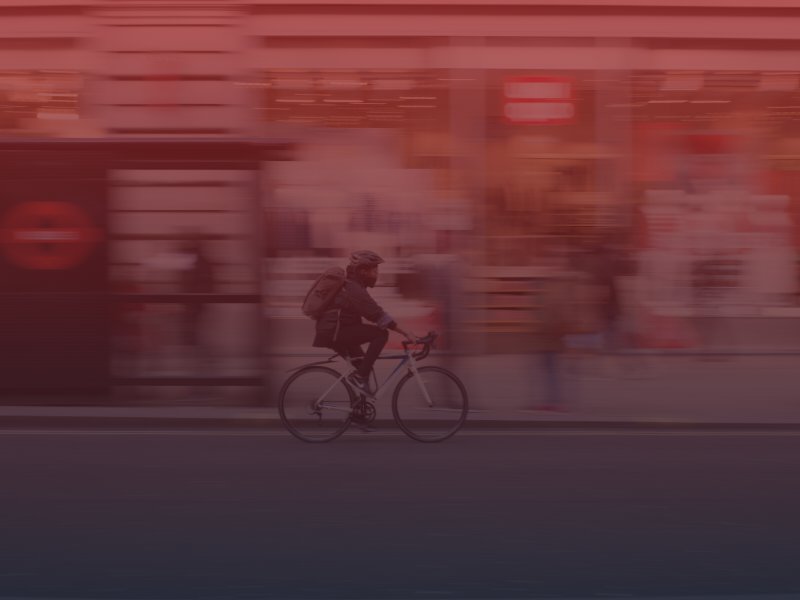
(127, 325)
(607, 278)
(598, 265)
(439, 275)
(554, 317)
(196, 277)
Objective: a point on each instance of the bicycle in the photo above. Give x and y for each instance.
(317, 404)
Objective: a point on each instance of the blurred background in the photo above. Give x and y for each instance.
(176, 174)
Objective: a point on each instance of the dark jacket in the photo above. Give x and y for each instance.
(351, 306)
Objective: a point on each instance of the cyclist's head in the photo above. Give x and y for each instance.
(364, 266)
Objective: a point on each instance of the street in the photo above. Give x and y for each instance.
(249, 514)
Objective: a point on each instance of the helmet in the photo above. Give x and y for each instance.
(361, 260)
(365, 258)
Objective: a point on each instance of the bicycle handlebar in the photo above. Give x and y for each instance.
(426, 342)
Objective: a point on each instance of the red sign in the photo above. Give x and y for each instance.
(47, 235)
(539, 100)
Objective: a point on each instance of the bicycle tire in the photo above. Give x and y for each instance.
(295, 409)
(431, 424)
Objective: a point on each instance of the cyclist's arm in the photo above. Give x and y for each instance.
(395, 327)
(361, 302)
(366, 306)
(387, 322)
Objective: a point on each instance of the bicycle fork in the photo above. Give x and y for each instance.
(421, 383)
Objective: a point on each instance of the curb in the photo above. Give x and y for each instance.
(256, 423)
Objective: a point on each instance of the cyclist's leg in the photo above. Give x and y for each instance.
(351, 338)
(376, 346)
(353, 352)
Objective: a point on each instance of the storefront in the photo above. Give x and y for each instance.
(377, 168)
(713, 152)
(551, 170)
(712, 166)
(478, 131)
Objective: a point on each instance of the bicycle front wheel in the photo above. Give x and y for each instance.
(430, 407)
(315, 404)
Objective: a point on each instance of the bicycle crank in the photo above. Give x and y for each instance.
(364, 412)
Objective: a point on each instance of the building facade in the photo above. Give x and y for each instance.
(490, 131)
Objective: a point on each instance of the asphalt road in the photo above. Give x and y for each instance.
(236, 514)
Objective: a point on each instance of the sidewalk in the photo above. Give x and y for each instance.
(623, 391)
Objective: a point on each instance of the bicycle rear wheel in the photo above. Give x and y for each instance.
(314, 404)
(430, 408)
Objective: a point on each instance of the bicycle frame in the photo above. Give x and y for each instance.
(406, 359)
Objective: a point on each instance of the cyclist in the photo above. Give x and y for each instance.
(341, 327)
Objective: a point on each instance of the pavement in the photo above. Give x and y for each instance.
(728, 391)
(245, 515)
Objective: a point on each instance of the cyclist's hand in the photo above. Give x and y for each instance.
(410, 337)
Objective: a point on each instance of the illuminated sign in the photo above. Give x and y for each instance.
(539, 100)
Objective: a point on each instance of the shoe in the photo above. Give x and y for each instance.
(358, 382)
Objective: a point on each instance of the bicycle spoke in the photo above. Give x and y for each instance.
(433, 407)
(315, 405)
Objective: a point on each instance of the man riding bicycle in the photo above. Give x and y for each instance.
(341, 327)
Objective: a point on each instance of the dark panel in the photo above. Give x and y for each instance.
(53, 273)
(39, 201)
(54, 344)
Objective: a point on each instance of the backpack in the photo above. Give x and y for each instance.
(323, 292)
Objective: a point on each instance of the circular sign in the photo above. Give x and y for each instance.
(51, 235)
